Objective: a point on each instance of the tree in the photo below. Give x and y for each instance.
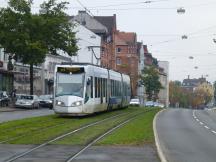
(30, 37)
(150, 79)
(205, 92)
(214, 85)
(202, 95)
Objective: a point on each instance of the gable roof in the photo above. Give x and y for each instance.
(108, 21)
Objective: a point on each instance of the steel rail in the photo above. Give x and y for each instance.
(15, 157)
(103, 135)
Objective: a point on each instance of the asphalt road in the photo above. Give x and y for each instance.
(14, 115)
(187, 136)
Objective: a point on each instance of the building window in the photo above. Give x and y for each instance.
(118, 50)
(118, 61)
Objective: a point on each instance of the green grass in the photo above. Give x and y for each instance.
(86, 135)
(41, 129)
(136, 132)
(34, 128)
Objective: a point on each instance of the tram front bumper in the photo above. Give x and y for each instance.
(68, 110)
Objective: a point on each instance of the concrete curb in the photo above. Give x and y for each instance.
(157, 142)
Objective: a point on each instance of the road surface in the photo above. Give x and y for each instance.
(187, 135)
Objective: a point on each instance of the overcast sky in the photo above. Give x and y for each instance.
(159, 26)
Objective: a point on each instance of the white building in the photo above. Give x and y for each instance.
(89, 45)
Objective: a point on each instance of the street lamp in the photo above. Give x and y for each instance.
(184, 37)
(181, 10)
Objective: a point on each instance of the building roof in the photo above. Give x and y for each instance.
(145, 49)
(126, 38)
(193, 82)
(108, 21)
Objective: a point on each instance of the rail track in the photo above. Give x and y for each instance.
(38, 130)
(131, 116)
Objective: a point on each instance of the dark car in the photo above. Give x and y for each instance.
(4, 99)
(46, 101)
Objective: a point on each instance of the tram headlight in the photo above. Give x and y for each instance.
(59, 103)
(77, 103)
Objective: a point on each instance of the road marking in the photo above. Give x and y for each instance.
(206, 127)
(201, 123)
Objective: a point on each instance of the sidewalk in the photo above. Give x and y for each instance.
(10, 109)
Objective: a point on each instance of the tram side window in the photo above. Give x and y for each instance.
(112, 87)
(91, 87)
(99, 87)
(96, 87)
(115, 90)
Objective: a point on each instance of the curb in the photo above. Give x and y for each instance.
(157, 142)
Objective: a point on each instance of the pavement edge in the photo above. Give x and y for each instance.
(157, 142)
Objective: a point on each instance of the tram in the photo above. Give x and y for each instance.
(82, 89)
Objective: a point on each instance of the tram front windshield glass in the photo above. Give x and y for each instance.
(69, 84)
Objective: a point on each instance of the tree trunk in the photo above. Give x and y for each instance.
(31, 80)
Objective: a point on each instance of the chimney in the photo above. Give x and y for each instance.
(188, 76)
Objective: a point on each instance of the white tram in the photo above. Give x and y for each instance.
(82, 89)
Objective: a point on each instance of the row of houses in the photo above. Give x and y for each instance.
(100, 43)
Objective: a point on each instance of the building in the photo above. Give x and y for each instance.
(191, 84)
(22, 79)
(43, 75)
(89, 45)
(126, 56)
(6, 76)
(105, 27)
(163, 95)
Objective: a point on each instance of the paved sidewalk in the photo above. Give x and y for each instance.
(10, 109)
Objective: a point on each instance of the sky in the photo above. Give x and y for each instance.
(159, 26)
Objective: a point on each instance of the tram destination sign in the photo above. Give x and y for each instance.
(70, 70)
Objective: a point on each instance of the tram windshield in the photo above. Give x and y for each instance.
(69, 84)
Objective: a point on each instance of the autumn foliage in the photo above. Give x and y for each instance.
(196, 98)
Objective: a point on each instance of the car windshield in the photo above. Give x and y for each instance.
(134, 100)
(69, 84)
(26, 97)
(46, 97)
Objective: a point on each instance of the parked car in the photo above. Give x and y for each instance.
(27, 101)
(4, 99)
(135, 102)
(18, 96)
(149, 103)
(158, 104)
(46, 101)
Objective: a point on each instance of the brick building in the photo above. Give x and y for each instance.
(126, 56)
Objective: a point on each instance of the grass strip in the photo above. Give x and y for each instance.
(136, 132)
(73, 123)
(85, 136)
